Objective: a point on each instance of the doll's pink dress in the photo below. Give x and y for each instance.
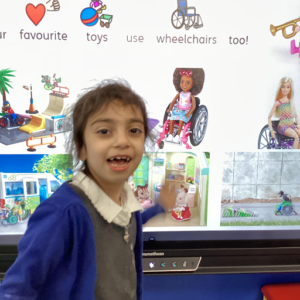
(147, 203)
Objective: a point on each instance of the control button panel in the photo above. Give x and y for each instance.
(171, 264)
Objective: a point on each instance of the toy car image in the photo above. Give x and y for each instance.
(105, 20)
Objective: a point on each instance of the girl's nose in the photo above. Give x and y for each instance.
(122, 140)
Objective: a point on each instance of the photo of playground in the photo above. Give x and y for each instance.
(31, 126)
(25, 182)
(190, 175)
(260, 189)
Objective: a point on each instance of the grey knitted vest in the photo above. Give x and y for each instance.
(116, 273)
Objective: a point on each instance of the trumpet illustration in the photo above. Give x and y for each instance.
(283, 27)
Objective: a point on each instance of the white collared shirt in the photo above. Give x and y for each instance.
(107, 208)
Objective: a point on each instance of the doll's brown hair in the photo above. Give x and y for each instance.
(96, 99)
(198, 77)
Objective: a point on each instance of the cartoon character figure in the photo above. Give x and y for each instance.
(188, 83)
(5, 214)
(131, 183)
(47, 80)
(17, 209)
(143, 194)
(284, 109)
(6, 109)
(286, 200)
(181, 212)
(98, 6)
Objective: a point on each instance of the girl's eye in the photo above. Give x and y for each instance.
(135, 130)
(103, 131)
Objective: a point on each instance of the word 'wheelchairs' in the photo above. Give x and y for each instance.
(185, 15)
(195, 128)
(265, 140)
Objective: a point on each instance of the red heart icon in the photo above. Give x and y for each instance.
(35, 14)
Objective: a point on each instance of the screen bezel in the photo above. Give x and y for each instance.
(217, 235)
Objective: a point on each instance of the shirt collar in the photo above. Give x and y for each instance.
(107, 208)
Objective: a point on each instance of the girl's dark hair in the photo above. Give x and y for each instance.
(198, 77)
(95, 99)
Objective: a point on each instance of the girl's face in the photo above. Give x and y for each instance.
(114, 141)
(186, 83)
(285, 88)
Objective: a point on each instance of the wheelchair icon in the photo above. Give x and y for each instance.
(185, 15)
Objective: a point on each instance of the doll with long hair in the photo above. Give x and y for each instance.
(188, 82)
(284, 109)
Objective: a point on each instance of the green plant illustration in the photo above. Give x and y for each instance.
(4, 82)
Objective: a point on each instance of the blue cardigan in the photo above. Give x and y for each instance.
(57, 255)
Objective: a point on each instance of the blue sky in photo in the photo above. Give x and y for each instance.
(18, 163)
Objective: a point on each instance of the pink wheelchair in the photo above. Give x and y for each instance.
(195, 128)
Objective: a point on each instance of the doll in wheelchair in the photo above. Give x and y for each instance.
(283, 133)
(185, 114)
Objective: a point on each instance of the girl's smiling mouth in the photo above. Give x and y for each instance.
(118, 162)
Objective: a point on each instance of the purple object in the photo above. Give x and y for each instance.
(152, 123)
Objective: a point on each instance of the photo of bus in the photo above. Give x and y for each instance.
(21, 194)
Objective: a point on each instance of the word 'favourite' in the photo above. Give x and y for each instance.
(43, 36)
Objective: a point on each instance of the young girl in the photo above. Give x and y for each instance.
(284, 109)
(85, 241)
(188, 83)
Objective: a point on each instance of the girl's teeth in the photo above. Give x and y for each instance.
(118, 158)
(119, 166)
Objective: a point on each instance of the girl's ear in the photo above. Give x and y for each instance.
(82, 154)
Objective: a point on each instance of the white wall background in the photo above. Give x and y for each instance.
(240, 84)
